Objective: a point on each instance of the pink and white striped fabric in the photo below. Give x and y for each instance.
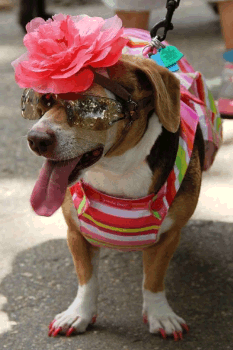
(117, 223)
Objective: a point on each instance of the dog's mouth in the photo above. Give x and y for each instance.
(54, 178)
(86, 160)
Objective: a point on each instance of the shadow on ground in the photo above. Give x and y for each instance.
(199, 288)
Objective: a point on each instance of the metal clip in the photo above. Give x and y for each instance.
(155, 42)
(166, 22)
(132, 107)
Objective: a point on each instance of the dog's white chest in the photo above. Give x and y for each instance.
(133, 184)
(127, 175)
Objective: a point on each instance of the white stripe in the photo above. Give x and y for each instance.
(122, 213)
(176, 170)
(202, 120)
(165, 202)
(183, 81)
(114, 237)
(199, 109)
(177, 184)
(74, 196)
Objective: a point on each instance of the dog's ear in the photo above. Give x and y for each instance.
(166, 88)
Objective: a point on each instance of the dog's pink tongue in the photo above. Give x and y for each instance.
(50, 188)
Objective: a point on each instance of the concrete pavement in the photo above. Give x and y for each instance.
(36, 271)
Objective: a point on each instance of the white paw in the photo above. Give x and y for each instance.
(73, 320)
(80, 314)
(160, 316)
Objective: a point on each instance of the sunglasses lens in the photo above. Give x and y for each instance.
(87, 112)
(97, 113)
(34, 105)
(29, 102)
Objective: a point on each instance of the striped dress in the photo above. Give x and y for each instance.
(133, 224)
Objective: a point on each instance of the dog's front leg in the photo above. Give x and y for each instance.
(83, 310)
(156, 310)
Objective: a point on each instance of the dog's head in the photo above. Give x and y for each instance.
(71, 145)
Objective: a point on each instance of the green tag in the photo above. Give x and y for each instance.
(170, 55)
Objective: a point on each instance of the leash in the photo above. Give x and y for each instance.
(166, 23)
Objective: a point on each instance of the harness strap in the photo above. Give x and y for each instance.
(113, 86)
(121, 92)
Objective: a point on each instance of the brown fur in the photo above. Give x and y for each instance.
(82, 251)
(157, 258)
(138, 79)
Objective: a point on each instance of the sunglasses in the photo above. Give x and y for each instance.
(87, 111)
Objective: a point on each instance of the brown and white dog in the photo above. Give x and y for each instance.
(138, 166)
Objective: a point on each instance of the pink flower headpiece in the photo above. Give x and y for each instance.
(63, 51)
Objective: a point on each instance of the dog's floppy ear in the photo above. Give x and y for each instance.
(166, 88)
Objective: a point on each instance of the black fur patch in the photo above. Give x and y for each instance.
(199, 141)
(163, 154)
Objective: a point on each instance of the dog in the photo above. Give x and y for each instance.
(104, 177)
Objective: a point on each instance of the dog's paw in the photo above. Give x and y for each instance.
(161, 318)
(80, 313)
(69, 322)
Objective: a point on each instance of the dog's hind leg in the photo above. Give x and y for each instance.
(83, 310)
(156, 310)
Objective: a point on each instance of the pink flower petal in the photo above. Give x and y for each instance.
(51, 31)
(100, 56)
(102, 43)
(111, 27)
(29, 75)
(89, 26)
(49, 46)
(59, 49)
(77, 83)
(59, 17)
(30, 41)
(34, 24)
(113, 56)
(28, 81)
(29, 66)
(23, 57)
(74, 70)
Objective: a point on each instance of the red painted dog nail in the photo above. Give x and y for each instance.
(70, 331)
(163, 333)
(180, 335)
(51, 331)
(185, 326)
(93, 319)
(176, 336)
(56, 332)
(51, 324)
(145, 320)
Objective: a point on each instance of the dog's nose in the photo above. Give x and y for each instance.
(41, 142)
